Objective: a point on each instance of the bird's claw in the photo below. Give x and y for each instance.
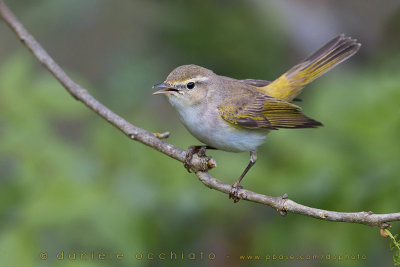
(187, 164)
(233, 194)
(199, 150)
(188, 159)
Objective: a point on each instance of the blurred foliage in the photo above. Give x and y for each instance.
(394, 245)
(71, 182)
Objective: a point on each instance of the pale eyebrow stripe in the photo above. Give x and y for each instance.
(200, 79)
(195, 79)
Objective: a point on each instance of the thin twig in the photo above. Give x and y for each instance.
(200, 165)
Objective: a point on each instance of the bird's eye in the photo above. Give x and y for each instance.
(190, 85)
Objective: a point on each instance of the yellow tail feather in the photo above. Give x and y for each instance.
(289, 85)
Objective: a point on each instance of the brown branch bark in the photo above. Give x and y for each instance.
(200, 165)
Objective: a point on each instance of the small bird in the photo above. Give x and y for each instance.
(236, 115)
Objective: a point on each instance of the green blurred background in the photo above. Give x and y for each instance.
(71, 182)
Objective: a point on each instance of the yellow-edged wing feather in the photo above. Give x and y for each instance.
(260, 111)
(289, 85)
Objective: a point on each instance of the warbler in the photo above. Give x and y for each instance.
(236, 115)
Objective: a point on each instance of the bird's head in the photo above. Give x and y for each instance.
(187, 85)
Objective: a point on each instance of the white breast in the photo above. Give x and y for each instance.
(208, 127)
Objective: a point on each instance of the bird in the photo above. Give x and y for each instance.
(236, 115)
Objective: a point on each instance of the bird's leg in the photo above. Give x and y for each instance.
(234, 190)
(199, 150)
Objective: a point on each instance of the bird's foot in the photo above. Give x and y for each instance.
(233, 194)
(199, 150)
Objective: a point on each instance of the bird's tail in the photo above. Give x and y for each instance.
(289, 85)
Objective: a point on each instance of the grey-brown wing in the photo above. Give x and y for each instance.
(259, 111)
(256, 83)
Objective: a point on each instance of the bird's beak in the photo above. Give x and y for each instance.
(166, 89)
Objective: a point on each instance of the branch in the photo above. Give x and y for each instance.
(200, 165)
